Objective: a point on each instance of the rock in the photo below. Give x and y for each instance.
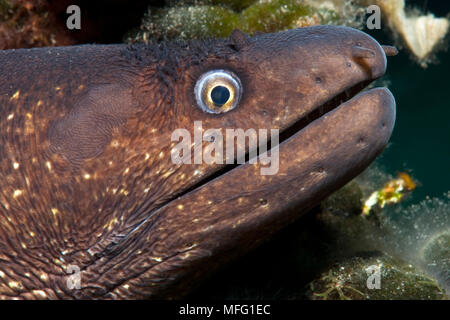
(376, 278)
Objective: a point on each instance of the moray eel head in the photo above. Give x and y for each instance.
(303, 82)
(90, 133)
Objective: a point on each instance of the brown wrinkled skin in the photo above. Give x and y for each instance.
(85, 169)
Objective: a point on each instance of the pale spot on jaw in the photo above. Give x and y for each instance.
(15, 96)
(15, 285)
(40, 293)
(17, 193)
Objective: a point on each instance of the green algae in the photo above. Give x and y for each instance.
(209, 20)
(188, 22)
(273, 16)
(236, 5)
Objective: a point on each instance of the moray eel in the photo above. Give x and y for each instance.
(92, 204)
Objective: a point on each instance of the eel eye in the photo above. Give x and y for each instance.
(218, 91)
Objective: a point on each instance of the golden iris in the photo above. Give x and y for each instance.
(218, 91)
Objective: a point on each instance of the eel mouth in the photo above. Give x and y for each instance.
(289, 132)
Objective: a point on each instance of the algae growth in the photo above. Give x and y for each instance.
(356, 279)
(219, 18)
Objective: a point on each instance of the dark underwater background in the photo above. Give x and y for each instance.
(420, 143)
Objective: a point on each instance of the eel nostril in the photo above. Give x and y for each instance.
(389, 51)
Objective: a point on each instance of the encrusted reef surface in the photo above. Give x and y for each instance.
(422, 34)
(31, 23)
(214, 18)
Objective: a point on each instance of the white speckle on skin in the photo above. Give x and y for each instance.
(15, 95)
(15, 285)
(17, 193)
(55, 211)
(40, 293)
